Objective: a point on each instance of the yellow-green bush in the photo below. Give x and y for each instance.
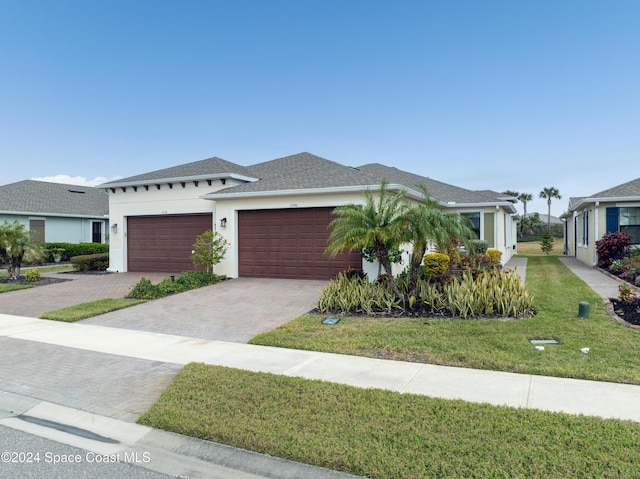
(435, 265)
(495, 255)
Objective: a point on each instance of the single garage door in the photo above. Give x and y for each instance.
(289, 243)
(164, 243)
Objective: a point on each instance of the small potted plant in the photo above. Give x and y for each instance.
(57, 253)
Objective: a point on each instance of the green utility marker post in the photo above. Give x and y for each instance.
(583, 309)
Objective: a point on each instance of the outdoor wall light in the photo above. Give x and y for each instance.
(114, 228)
(223, 223)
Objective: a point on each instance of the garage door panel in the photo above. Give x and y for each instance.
(295, 244)
(164, 243)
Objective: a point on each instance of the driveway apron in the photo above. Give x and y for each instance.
(233, 310)
(79, 288)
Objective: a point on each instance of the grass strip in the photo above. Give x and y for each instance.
(490, 344)
(383, 434)
(7, 287)
(71, 314)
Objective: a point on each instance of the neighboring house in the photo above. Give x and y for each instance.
(588, 219)
(56, 212)
(544, 219)
(273, 214)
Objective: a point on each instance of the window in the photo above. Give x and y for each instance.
(474, 223)
(36, 229)
(96, 232)
(585, 228)
(630, 223)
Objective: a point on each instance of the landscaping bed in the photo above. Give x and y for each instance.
(43, 281)
(628, 312)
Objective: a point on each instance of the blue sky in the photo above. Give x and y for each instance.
(480, 94)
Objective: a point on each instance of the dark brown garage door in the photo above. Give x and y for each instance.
(164, 243)
(289, 243)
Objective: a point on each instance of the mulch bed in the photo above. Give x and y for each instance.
(629, 312)
(43, 281)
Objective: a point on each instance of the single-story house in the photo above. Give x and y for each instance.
(588, 219)
(56, 212)
(273, 214)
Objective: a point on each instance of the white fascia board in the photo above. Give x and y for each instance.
(56, 215)
(506, 204)
(306, 191)
(217, 176)
(610, 199)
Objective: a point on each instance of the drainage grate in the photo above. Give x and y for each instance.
(76, 431)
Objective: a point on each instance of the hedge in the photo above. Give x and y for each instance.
(70, 249)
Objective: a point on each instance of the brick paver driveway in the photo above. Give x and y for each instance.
(123, 387)
(233, 310)
(81, 288)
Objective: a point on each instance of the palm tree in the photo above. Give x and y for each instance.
(524, 197)
(426, 222)
(549, 193)
(15, 241)
(379, 224)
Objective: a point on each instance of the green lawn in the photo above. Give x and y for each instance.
(43, 269)
(490, 344)
(88, 310)
(383, 434)
(6, 287)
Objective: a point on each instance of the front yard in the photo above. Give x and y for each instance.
(490, 344)
(384, 434)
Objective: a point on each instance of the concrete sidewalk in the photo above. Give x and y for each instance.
(608, 400)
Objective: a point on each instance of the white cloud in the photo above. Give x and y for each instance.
(77, 180)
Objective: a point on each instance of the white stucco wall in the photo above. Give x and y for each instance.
(185, 200)
(154, 201)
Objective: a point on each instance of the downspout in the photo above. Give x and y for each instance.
(574, 226)
(497, 238)
(595, 231)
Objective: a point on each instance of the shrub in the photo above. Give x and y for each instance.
(612, 246)
(170, 286)
(616, 266)
(625, 293)
(32, 275)
(144, 289)
(198, 279)
(435, 266)
(35, 254)
(491, 293)
(69, 250)
(480, 246)
(91, 262)
(495, 257)
(357, 295)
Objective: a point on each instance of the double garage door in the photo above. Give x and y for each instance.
(289, 243)
(283, 243)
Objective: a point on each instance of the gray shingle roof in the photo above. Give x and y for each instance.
(197, 169)
(437, 189)
(305, 171)
(630, 188)
(31, 196)
(300, 172)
